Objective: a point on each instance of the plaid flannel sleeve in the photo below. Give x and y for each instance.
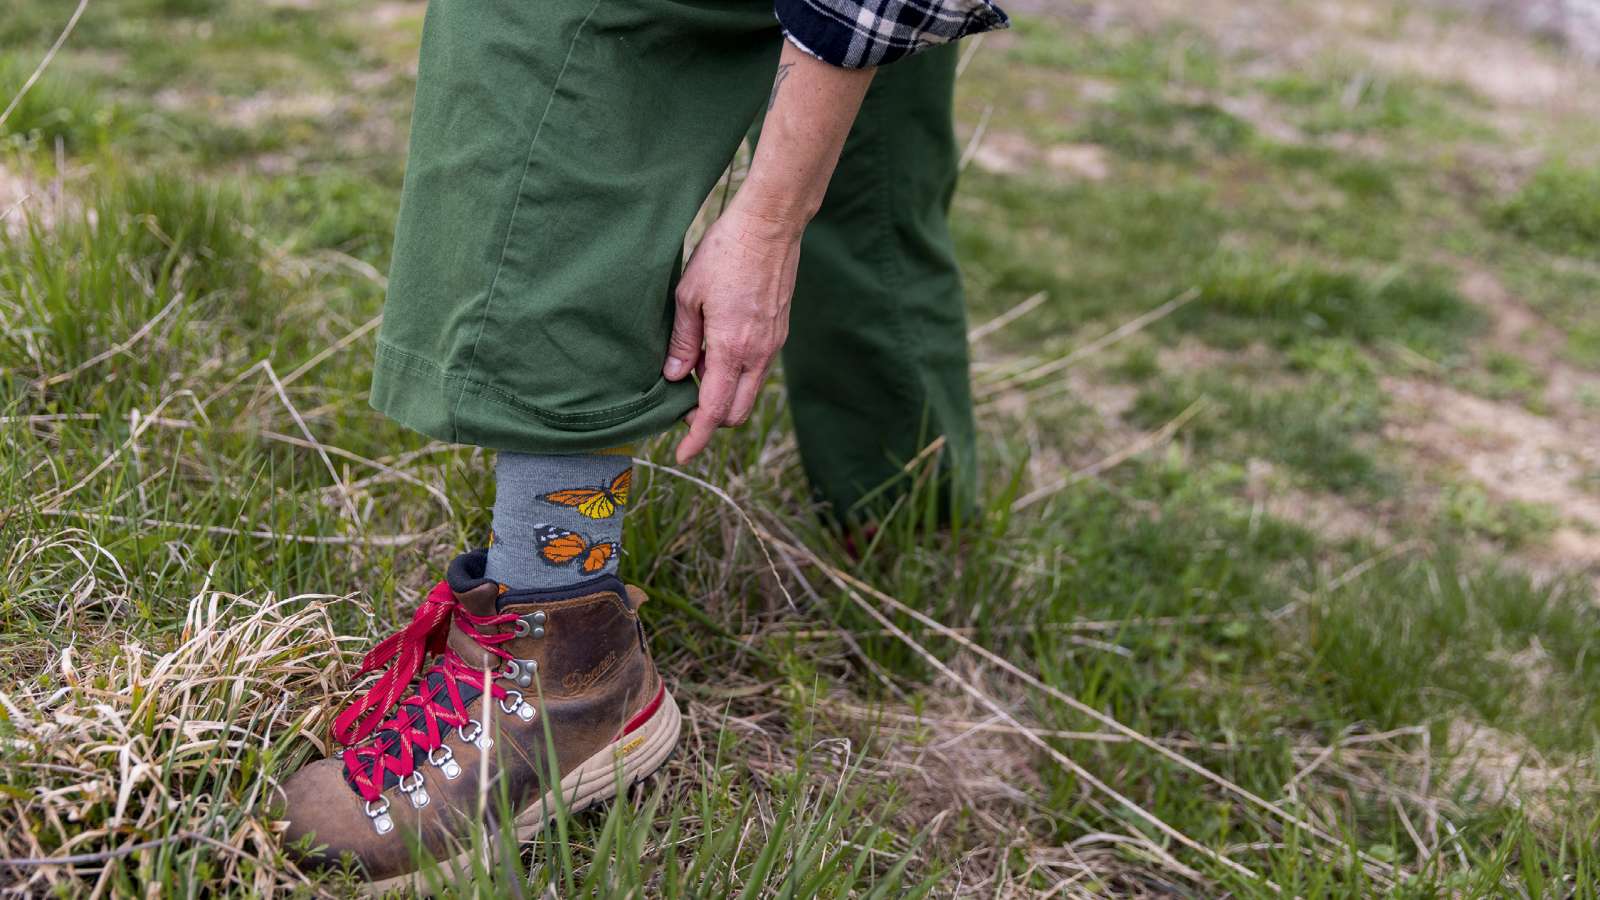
(860, 33)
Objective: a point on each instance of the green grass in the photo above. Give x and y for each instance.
(1319, 427)
(1558, 209)
(1248, 299)
(1459, 633)
(1286, 592)
(1561, 294)
(1342, 98)
(1515, 523)
(1141, 124)
(51, 112)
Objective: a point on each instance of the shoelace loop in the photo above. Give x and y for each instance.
(404, 652)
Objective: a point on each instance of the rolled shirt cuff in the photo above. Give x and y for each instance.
(856, 34)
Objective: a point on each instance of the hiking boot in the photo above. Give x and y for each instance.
(572, 663)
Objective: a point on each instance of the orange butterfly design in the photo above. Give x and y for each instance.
(595, 503)
(560, 547)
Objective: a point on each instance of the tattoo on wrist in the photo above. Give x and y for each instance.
(777, 82)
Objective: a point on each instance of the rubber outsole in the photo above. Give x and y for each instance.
(640, 752)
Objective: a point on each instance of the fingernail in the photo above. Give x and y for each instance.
(676, 367)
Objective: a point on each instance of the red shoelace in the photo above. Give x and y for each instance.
(402, 734)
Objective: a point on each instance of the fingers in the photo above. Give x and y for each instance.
(716, 400)
(736, 404)
(683, 350)
(745, 396)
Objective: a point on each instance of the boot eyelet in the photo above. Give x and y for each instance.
(447, 763)
(533, 624)
(521, 708)
(379, 814)
(411, 786)
(477, 736)
(520, 671)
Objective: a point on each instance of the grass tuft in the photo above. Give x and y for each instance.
(1558, 209)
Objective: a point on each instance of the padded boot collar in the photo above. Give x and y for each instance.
(466, 573)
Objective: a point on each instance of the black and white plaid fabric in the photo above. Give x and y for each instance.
(860, 33)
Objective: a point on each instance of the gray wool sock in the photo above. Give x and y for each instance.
(557, 519)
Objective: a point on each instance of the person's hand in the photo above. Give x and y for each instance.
(734, 300)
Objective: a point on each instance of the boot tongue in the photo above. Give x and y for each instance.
(480, 601)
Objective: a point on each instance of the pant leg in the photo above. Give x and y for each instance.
(876, 362)
(559, 151)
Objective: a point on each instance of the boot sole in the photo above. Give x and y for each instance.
(639, 753)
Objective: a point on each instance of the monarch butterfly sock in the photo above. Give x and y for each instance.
(557, 519)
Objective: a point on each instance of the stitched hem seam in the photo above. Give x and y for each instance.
(593, 418)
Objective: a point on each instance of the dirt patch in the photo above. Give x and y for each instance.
(254, 111)
(1011, 153)
(1334, 517)
(16, 195)
(1508, 71)
(1520, 330)
(261, 109)
(1053, 455)
(1262, 116)
(386, 14)
(1514, 323)
(1512, 71)
(1574, 23)
(962, 765)
(1086, 161)
(1253, 109)
(1110, 400)
(358, 122)
(1501, 767)
(1193, 355)
(1511, 452)
(24, 199)
(1004, 153)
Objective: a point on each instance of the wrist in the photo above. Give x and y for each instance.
(772, 215)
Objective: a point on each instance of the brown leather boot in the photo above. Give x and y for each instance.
(573, 662)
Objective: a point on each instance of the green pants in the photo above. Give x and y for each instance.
(559, 151)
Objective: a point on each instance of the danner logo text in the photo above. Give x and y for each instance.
(577, 681)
